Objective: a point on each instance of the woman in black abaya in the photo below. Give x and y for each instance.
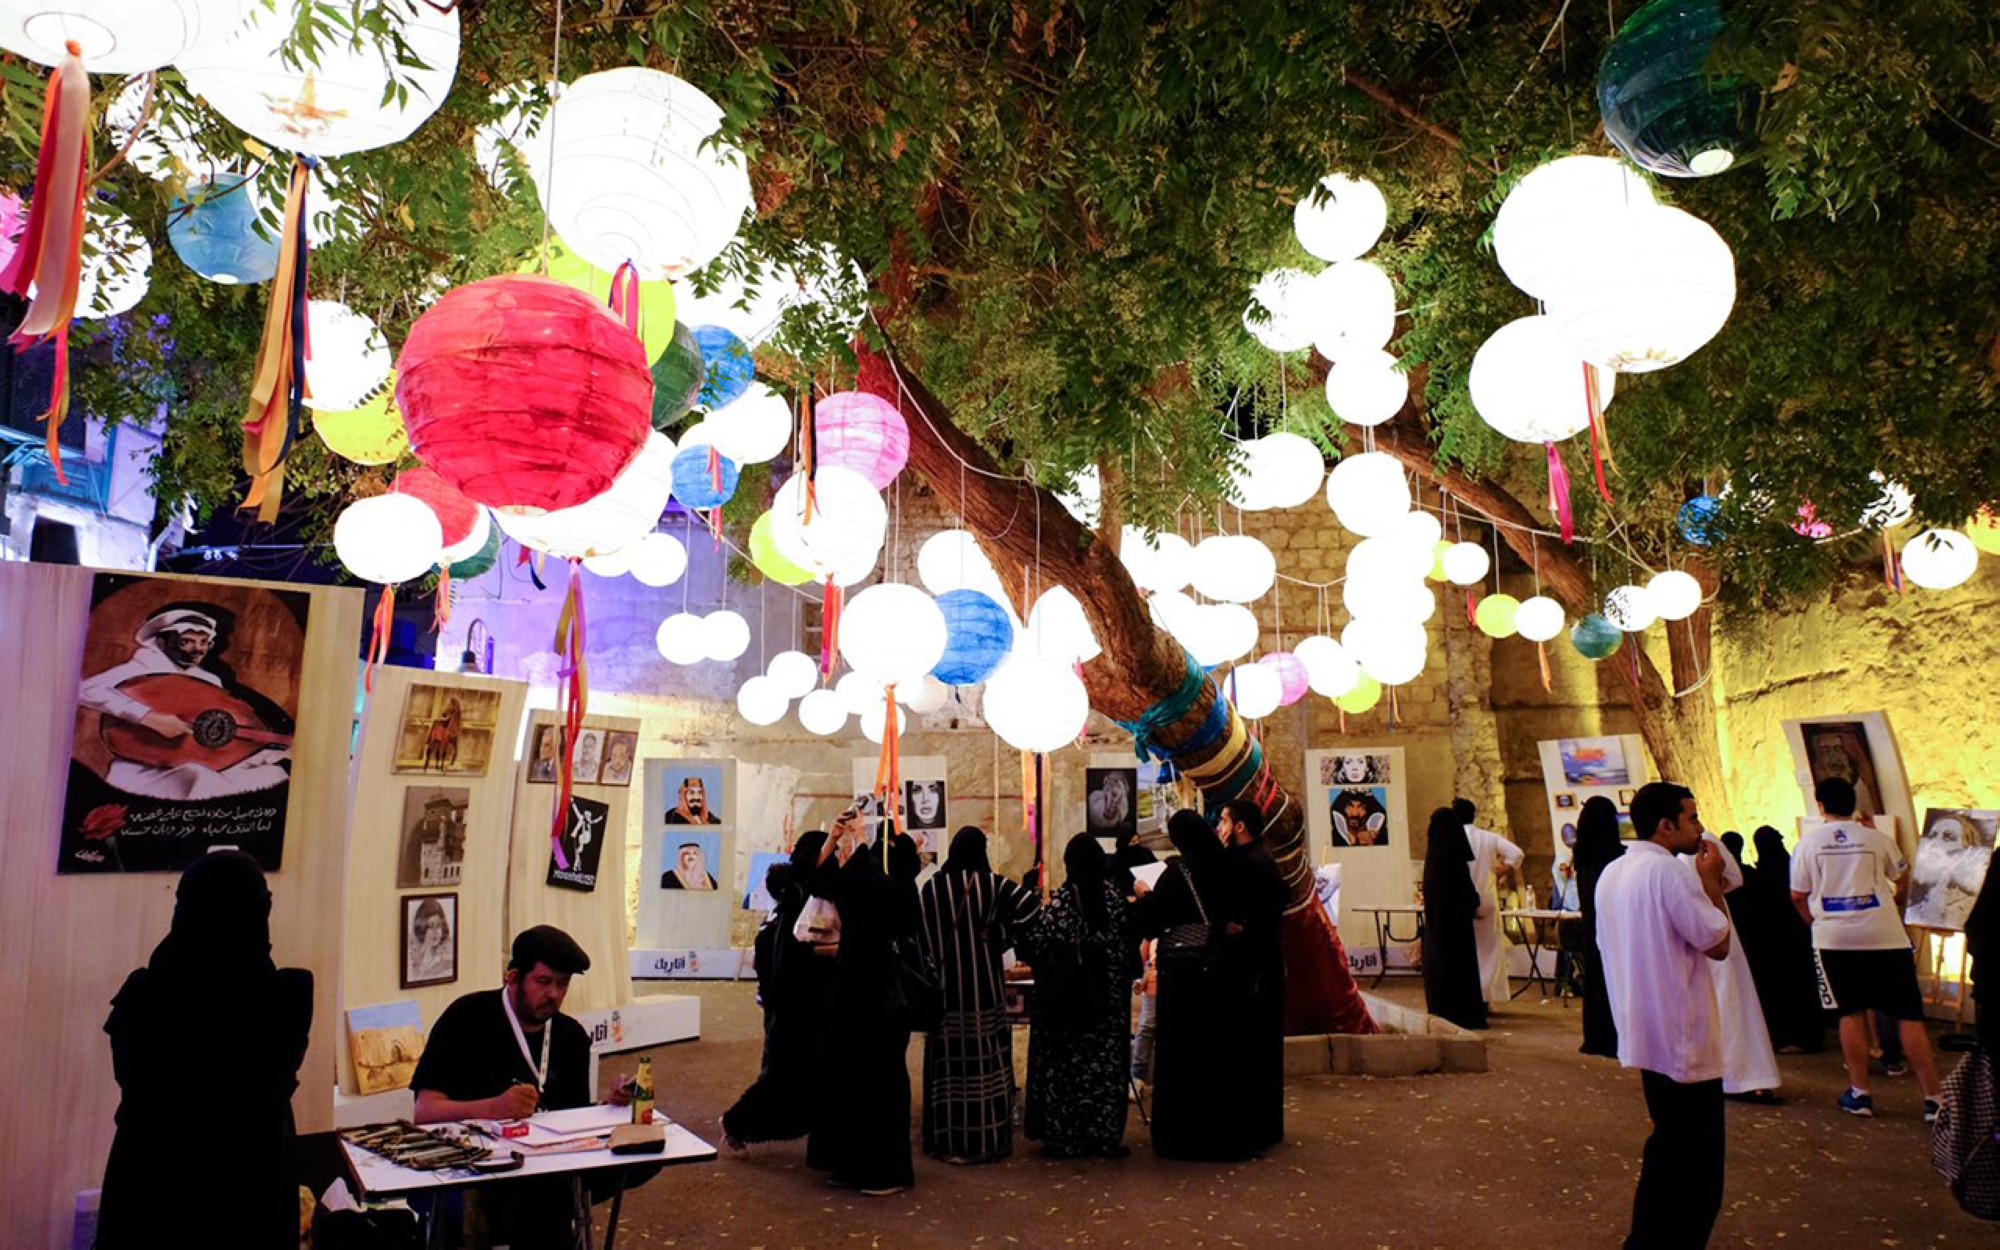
(796, 985)
(1256, 900)
(1597, 845)
(1452, 990)
(1779, 948)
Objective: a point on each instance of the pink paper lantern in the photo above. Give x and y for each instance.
(1292, 683)
(862, 432)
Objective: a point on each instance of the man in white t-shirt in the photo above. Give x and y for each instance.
(1661, 926)
(1491, 855)
(1844, 877)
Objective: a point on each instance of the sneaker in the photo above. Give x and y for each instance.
(1896, 1068)
(1931, 1109)
(1857, 1104)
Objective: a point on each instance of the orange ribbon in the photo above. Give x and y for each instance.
(281, 353)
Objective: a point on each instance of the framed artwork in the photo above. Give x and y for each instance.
(433, 845)
(1565, 800)
(573, 859)
(447, 729)
(1564, 760)
(1859, 748)
(621, 757)
(925, 810)
(1594, 762)
(690, 860)
(757, 897)
(386, 1043)
(429, 939)
(1341, 769)
(695, 794)
(1110, 806)
(1840, 749)
(1356, 802)
(1953, 854)
(183, 736)
(589, 762)
(545, 755)
(1359, 816)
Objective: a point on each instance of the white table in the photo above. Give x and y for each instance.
(1528, 922)
(1385, 931)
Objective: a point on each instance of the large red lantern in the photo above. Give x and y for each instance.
(524, 393)
(456, 514)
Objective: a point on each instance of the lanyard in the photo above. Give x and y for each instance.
(540, 1070)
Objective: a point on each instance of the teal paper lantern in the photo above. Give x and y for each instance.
(727, 365)
(978, 637)
(677, 378)
(695, 486)
(481, 560)
(1663, 106)
(216, 233)
(1696, 519)
(1594, 637)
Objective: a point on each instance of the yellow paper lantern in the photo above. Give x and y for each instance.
(1984, 531)
(370, 434)
(656, 299)
(1366, 694)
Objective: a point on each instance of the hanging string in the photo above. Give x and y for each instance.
(555, 85)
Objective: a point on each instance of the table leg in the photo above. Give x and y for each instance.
(617, 1204)
(580, 1200)
(1381, 953)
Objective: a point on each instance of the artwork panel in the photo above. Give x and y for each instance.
(586, 824)
(432, 851)
(447, 729)
(690, 859)
(429, 940)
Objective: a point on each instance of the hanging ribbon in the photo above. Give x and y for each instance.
(1559, 492)
(1600, 436)
(49, 255)
(378, 638)
(1166, 712)
(1471, 612)
(1542, 653)
(1343, 720)
(441, 604)
(829, 631)
(808, 449)
(276, 414)
(572, 699)
(889, 770)
(1392, 709)
(1892, 568)
(624, 298)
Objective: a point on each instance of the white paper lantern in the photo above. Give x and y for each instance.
(1398, 666)
(1036, 704)
(844, 536)
(117, 266)
(1629, 609)
(1892, 507)
(1234, 568)
(1281, 470)
(760, 702)
(1157, 562)
(166, 143)
(1391, 652)
(116, 36)
(858, 692)
(892, 634)
(822, 712)
(1939, 559)
(924, 697)
(335, 103)
(634, 176)
(472, 543)
(1564, 219)
(388, 538)
(658, 560)
(1221, 632)
(874, 721)
(682, 639)
(1528, 383)
(1668, 289)
(350, 358)
(954, 560)
(1170, 609)
(725, 635)
(1355, 306)
(1368, 492)
(1080, 498)
(1330, 671)
(1673, 595)
(753, 429)
(795, 673)
(1344, 224)
(1403, 602)
(1384, 561)
(1257, 690)
(1058, 630)
(1539, 619)
(612, 563)
(1415, 538)
(614, 520)
(1465, 564)
(1281, 313)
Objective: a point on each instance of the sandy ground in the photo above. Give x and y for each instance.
(1541, 1150)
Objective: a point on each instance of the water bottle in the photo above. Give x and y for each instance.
(1531, 898)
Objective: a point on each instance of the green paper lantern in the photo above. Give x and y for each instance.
(1495, 615)
(1366, 694)
(656, 299)
(1594, 637)
(765, 555)
(1663, 107)
(1437, 573)
(481, 560)
(677, 379)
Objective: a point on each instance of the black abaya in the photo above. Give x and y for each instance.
(1778, 946)
(1982, 946)
(1596, 847)
(1452, 988)
(798, 1002)
(1257, 902)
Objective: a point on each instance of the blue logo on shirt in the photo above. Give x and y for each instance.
(1849, 902)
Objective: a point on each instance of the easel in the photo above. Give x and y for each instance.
(1932, 944)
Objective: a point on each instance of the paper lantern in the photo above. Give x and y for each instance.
(727, 366)
(1365, 694)
(467, 567)
(1058, 630)
(1628, 608)
(1667, 290)
(925, 696)
(1538, 619)
(1234, 568)
(1366, 389)
(215, 232)
(821, 713)
(681, 639)
(754, 429)
(862, 432)
(1984, 530)
(613, 520)
(349, 359)
(724, 635)
(1356, 310)
(1281, 310)
(1255, 690)
(1528, 383)
(1673, 595)
(1565, 219)
(1594, 637)
(1892, 507)
(1466, 564)
(339, 101)
(1157, 562)
(695, 484)
(117, 266)
(1368, 492)
(1415, 537)
(858, 693)
(677, 378)
(481, 535)
(1696, 519)
(1398, 665)
(1939, 559)
(116, 36)
(1662, 106)
(1345, 222)
(1169, 608)
(760, 702)
(524, 393)
(387, 538)
(1437, 573)
(370, 434)
(768, 560)
(952, 560)
(1036, 705)
(658, 560)
(637, 173)
(892, 633)
(844, 536)
(1330, 671)
(1216, 633)
(794, 672)
(1495, 615)
(874, 720)
(1279, 470)
(1292, 680)
(457, 516)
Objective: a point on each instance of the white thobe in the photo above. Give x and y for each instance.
(1488, 848)
(184, 782)
(1748, 1062)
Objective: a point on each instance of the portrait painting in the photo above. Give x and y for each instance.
(447, 729)
(621, 757)
(924, 807)
(429, 939)
(1840, 749)
(1625, 797)
(757, 894)
(1565, 800)
(1594, 762)
(1338, 771)
(1360, 816)
(589, 761)
(184, 722)
(1953, 853)
(1110, 805)
(433, 846)
(545, 754)
(690, 860)
(386, 1042)
(574, 856)
(694, 794)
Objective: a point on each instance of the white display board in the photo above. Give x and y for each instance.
(1577, 769)
(1859, 747)
(1357, 816)
(926, 799)
(688, 893)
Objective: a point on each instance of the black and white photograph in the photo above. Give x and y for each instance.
(429, 939)
(1110, 805)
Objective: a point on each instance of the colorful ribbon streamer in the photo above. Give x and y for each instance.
(572, 700)
(378, 638)
(1600, 436)
(276, 415)
(889, 770)
(829, 632)
(1559, 493)
(441, 604)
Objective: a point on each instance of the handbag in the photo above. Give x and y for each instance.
(916, 988)
(818, 923)
(1193, 940)
(1965, 1141)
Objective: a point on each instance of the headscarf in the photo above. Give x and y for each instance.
(967, 852)
(1084, 863)
(1194, 838)
(1774, 862)
(805, 854)
(1597, 845)
(1982, 930)
(1447, 843)
(1448, 890)
(904, 864)
(222, 920)
(1734, 841)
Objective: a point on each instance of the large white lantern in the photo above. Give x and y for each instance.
(350, 358)
(1673, 595)
(1465, 564)
(892, 634)
(1365, 388)
(724, 635)
(1538, 619)
(1528, 383)
(858, 692)
(1416, 537)
(822, 713)
(844, 536)
(635, 176)
(1629, 609)
(658, 560)
(925, 697)
(1282, 310)
(795, 673)
(1330, 671)
(760, 702)
(388, 538)
(1258, 690)
(1355, 310)
(1564, 219)
(1344, 224)
(1036, 704)
(681, 639)
(1389, 651)
(874, 721)
(1170, 610)
(614, 520)
(1157, 562)
(954, 560)
(1368, 492)
(1939, 559)
(116, 36)
(755, 428)
(1234, 568)
(1279, 470)
(1667, 290)
(1058, 630)
(1221, 632)
(341, 100)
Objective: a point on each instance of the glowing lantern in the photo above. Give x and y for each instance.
(611, 522)
(794, 672)
(1157, 562)
(658, 560)
(822, 713)
(1939, 559)
(1036, 705)
(481, 536)
(1528, 384)
(1330, 671)
(693, 482)
(1234, 568)
(1628, 608)
(892, 634)
(482, 558)
(754, 429)
(1466, 564)
(1365, 388)
(844, 536)
(1538, 619)
(1696, 519)
(637, 173)
(1563, 221)
(1255, 690)
(349, 359)
(771, 562)
(1356, 310)
(1343, 224)
(1594, 637)
(1368, 492)
(458, 517)
(1673, 595)
(1169, 609)
(1662, 107)
(524, 393)
(1495, 615)
(727, 366)
(117, 264)
(925, 697)
(369, 434)
(863, 432)
(215, 232)
(1281, 312)
(115, 36)
(388, 538)
(1437, 573)
(681, 639)
(1279, 470)
(874, 720)
(1668, 289)
(724, 635)
(677, 378)
(760, 702)
(339, 101)
(858, 693)
(1984, 531)
(1292, 680)
(1216, 633)
(1058, 630)
(1365, 694)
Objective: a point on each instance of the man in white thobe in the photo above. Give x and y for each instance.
(1749, 1065)
(1491, 854)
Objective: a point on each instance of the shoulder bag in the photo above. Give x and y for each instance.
(1193, 942)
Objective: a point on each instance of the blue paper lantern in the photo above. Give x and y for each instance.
(1663, 106)
(694, 486)
(217, 235)
(727, 364)
(1594, 637)
(978, 637)
(1696, 519)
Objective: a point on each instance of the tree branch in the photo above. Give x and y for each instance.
(1382, 97)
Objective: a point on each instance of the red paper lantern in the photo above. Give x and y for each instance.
(524, 393)
(455, 513)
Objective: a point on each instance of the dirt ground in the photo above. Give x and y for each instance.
(1541, 1150)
